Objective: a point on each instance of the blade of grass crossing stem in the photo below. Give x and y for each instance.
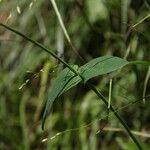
(64, 29)
(88, 84)
(99, 119)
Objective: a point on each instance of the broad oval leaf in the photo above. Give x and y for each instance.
(63, 82)
(101, 65)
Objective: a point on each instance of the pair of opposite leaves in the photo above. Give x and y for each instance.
(67, 79)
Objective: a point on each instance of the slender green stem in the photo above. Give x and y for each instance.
(116, 114)
(88, 83)
(40, 46)
(110, 93)
(142, 62)
(142, 20)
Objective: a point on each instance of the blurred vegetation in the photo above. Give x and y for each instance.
(96, 28)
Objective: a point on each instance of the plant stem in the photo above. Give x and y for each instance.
(76, 73)
(139, 62)
(116, 114)
(40, 46)
(110, 93)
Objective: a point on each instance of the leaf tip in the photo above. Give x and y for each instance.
(43, 123)
(44, 119)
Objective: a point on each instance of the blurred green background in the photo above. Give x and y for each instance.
(97, 28)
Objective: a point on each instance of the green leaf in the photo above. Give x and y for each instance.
(71, 83)
(101, 65)
(63, 82)
(67, 79)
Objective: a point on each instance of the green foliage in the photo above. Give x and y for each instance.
(96, 28)
(101, 65)
(63, 82)
(67, 79)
